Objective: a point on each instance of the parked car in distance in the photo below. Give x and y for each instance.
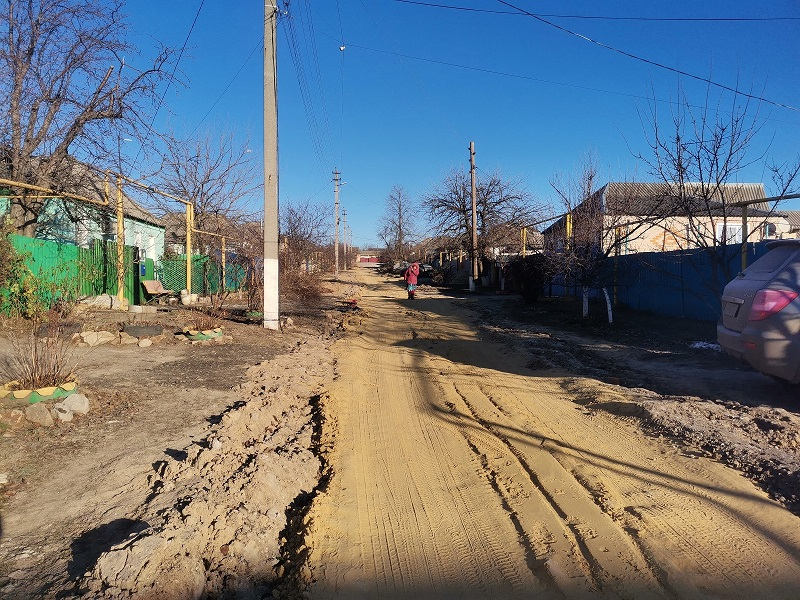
(426, 269)
(400, 267)
(760, 323)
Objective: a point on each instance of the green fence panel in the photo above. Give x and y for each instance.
(54, 265)
(205, 274)
(68, 269)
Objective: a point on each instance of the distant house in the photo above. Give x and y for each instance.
(69, 221)
(793, 216)
(651, 217)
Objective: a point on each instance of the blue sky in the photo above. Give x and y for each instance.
(415, 84)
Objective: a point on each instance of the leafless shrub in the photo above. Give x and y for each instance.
(41, 356)
(302, 286)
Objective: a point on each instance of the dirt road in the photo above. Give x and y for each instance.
(457, 472)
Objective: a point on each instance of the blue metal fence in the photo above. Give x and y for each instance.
(676, 284)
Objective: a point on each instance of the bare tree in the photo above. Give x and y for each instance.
(216, 174)
(303, 227)
(574, 243)
(67, 91)
(397, 226)
(700, 155)
(597, 223)
(503, 207)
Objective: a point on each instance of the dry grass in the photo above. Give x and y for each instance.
(298, 285)
(40, 356)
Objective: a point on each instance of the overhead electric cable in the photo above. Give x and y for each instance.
(311, 42)
(259, 45)
(341, 80)
(602, 17)
(174, 70)
(306, 96)
(651, 62)
(526, 77)
(412, 73)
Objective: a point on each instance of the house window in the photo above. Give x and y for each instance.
(770, 230)
(729, 234)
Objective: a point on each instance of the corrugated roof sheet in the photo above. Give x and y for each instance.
(793, 216)
(641, 198)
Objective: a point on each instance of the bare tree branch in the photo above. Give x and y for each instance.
(68, 93)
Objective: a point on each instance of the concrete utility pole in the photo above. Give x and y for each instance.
(271, 292)
(474, 279)
(344, 236)
(336, 181)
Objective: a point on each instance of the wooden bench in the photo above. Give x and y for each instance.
(155, 290)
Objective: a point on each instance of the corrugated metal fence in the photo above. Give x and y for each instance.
(66, 269)
(676, 284)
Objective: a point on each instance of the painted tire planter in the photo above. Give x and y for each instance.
(207, 334)
(45, 393)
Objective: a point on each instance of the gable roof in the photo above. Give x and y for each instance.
(88, 182)
(793, 216)
(659, 200)
(647, 199)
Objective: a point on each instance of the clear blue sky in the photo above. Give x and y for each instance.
(415, 84)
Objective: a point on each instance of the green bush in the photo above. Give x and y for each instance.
(20, 290)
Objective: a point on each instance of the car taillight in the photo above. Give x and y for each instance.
(767, 302)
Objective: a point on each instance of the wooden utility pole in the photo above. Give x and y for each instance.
(271, 292)
(474, 249)
(336, 180)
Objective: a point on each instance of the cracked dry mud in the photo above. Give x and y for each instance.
(437, 449)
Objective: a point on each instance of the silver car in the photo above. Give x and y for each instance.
(760, 323)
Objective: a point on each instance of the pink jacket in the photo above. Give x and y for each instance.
(411, 274)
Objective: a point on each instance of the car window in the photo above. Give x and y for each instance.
(772, 260)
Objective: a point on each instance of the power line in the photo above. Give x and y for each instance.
(341, 81)
(305, 94)
(174, 70)
(529, 78)
(603, 17)
(260, 44)
(651, 62)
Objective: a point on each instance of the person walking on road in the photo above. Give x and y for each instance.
(410, 276)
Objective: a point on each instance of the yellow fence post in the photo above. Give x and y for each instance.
(524, 233)
(189, 228)
(120, 243)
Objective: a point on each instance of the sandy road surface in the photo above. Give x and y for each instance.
(456, 473)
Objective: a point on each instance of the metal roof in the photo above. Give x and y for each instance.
(639, 198)
(793, 216)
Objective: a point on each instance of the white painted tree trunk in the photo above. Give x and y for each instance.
(608, 306)
(585, 301)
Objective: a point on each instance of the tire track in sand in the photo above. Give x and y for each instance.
(459, 475)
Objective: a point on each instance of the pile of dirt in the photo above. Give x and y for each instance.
(216, 511)
(174, 428)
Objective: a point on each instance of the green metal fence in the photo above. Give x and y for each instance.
(67, 270)
(206, 274)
